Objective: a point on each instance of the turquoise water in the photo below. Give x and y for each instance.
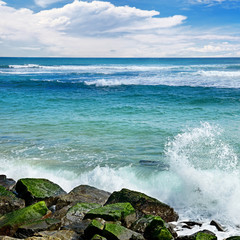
(166, 127)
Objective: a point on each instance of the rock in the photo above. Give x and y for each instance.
(233, 238)
(78, 211)
(191, 224)
(83, 193)
(8, 183)
(144, 204)
(58, 235)
(98, 237)
(36, 189)
(202, 235)
(7, 238)
(95, 227)
(9, 202)
(123, 212)
(217, 225)
(156, 230)
(141, 224)
(30, 229)
(11, 221)
(78, 227)
(113, 231)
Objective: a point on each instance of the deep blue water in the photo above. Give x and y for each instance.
(97, 122)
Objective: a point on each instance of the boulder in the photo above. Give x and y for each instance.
(113, 231)
(36, 189)
(123, 212)
(156, 230)
(233, 238)
(83, 193)
(56, 235)
(7, 238)
(8, 183)
(217, 225)
(95, 227)
(144, 204)
(9, 202)
(30, 229)
(202, 235)
(11, 221)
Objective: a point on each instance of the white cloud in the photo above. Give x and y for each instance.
(100, 29)
(44, 3)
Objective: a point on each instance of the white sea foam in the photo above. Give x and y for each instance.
(228, 74)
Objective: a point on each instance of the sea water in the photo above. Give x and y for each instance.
(167, 127)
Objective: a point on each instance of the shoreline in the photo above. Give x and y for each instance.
(20, 195)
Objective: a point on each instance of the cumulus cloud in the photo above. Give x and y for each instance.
(44, 3)
(97, 29)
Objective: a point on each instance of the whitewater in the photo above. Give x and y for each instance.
(167, 127)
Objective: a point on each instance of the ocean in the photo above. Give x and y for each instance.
(167, 127)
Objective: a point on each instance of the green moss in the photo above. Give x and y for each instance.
(205, 236)
(24, 215)
(114, 230)
(98, 237)
(95, 227)
(111, 212)
(5, 193)
(233, 238)
(41, 188)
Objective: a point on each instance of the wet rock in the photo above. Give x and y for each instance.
(9, 202)
(217, 225)
(57, 235)
(123, 212)
(144, 204)
(35, 189)
(7, 238)
(156, 230)
(98, 237)
(11, 221)
(83, 193)
(233, 238)
(30, 229)
(191, 224)
(202, 235)
(95, 227)
(8, 183)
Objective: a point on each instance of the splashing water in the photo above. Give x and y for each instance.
(208, 175)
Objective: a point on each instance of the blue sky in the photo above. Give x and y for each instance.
(120, 28)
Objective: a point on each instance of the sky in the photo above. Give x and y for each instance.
(120, 28)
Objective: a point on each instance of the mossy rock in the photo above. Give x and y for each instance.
(98, 237)
(156, 230)
(95, 227)
(144, 204)
(9, 202)
(28, 230)
(11, 221)
(204, 236)
(113, 231)
(37, 189)
(123, 212)
(233, 238)
(56, 235)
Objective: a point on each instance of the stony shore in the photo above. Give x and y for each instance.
(38, 209)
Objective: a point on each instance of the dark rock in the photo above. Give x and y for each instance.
(98, 237)
(156, 230)
(202, 235)
(11, 221)
(56, 235)
(191, 224)
(123, 212)
(7, 238)
(8, 183)
(95, 227)
(144, 204)
(35, 189)
(233, 238)
(113, 231)
(83, 193)
(217, 225)
(78, 227)
(9, 202)
(30, 229)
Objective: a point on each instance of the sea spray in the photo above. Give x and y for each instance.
(208, 174)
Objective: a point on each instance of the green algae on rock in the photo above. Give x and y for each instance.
(36, 189)
(144, 204)
(98, 237)
(95, 227)
(11, 221)
(9, 202)
(123, 212)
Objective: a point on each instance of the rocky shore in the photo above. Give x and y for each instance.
(38, 209)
